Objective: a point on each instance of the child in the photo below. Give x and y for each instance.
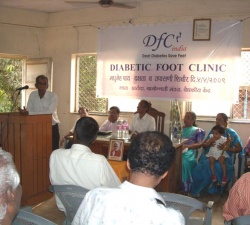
(216, 138)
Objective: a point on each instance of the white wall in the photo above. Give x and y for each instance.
(59, 35)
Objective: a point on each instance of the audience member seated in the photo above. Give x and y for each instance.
(10, 189)
(135, 201)
(202, 175)
(238, 201)
(247, 151)
(79, 165)
(142, 121)
(194, 136)
(111, 122)
(83, 112)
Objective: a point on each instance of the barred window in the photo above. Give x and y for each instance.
(86, 84)
(241, 110)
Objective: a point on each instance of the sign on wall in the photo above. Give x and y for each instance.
(162, 61)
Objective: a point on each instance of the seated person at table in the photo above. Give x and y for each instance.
(79, 165)
(111, 122)
(82, 113)
(10, 189)
(116, 151)
(135, 201)
(142, 121)
(238, 201)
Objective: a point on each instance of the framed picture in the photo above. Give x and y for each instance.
(116, 148)
(201, 29)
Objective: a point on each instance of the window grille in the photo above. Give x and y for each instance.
(241, 110)
(87, 73)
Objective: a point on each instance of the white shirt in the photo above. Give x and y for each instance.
(45, 105)
(214, 151)
(80, 166)
(128, 204)
(108, 126)
(146, 123)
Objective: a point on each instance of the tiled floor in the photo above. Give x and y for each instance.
(49, 210)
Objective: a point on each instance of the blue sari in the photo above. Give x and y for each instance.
(194, 135)
(202, 181)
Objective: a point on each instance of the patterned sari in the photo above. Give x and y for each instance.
(202, 181)
(194, 135)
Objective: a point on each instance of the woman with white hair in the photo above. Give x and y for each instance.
(10, 189)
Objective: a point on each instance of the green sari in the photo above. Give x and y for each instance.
(194, 135)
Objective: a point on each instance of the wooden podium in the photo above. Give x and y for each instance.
(29, 139)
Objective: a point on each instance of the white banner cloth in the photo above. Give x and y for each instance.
(162, 61)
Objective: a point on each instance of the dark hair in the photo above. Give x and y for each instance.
(193, 117)
(115, 108)
(219, 128)
(225, 117)
(146, 104)
(86, 130)
(41, 77)
(151, 152)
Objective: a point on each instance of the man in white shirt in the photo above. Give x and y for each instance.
(44, 102)
(142, 121)
(79, 165)
(135, 201)
(111, 122)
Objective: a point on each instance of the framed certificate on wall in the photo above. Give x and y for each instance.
(201, 29)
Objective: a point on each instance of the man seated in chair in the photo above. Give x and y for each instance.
(135, 201)
(10, 189)
(79, 165)
(142, 121)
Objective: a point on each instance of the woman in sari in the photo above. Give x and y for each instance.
(202, 181)
(195, 137)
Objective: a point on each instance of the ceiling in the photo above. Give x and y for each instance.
(50, 6)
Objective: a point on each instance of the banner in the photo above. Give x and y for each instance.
(163, 62)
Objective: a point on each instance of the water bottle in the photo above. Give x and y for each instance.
(125, 129)
(119, 129)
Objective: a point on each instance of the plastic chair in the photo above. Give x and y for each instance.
(28, 218)
(241, 220)
(71, 197)
(187, 206)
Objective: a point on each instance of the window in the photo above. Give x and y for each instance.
(10, 80)
(239, 110)
(85, 86)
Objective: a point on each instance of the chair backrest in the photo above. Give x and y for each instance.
(241, 220)
(159, 119)
(71, 197)
(28, 218)
(187, 206)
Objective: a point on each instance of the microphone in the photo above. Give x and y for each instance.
(21, 88)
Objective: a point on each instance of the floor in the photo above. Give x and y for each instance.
(49, 210)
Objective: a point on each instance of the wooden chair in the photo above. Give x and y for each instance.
(187, 206)
(241, 220)
(159, 119)
(71, 197)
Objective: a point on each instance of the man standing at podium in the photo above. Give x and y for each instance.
(44, 102)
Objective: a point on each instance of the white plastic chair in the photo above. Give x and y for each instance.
(28, 218)
(71, 197)
(187, 205)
